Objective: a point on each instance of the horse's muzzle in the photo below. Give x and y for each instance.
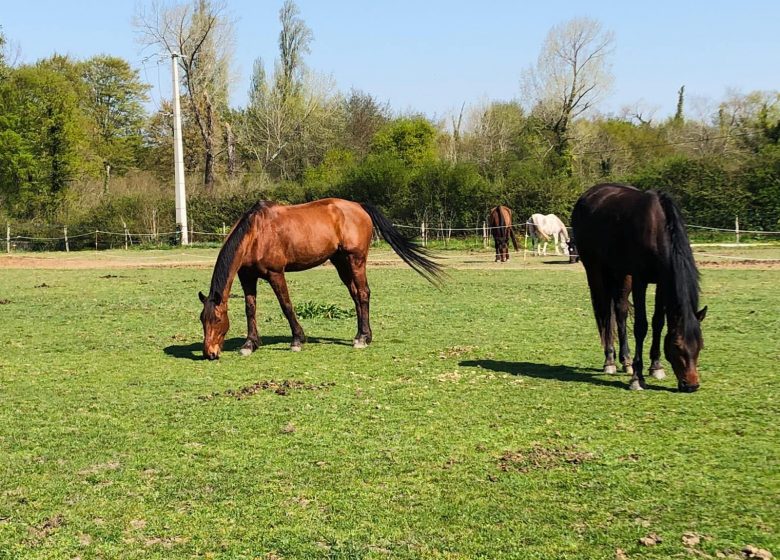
(685, 388)
(211, 355)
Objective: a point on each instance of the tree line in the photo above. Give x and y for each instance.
(79, 146)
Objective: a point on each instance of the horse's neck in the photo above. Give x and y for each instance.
(226, 270)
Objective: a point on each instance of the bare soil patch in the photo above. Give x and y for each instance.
(282, 388)
(541, 457)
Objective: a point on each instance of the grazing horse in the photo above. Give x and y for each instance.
(500, 224)
(627, 239)
(546, 228)
(271, 239)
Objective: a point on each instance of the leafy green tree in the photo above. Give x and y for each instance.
(42, 131)
(412, 140)
(114, 101)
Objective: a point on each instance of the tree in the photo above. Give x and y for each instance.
(43, 140)
(200, 35)
(412, 140)
(571, 74)
(115, 103)
(363, 116)
(289, 123)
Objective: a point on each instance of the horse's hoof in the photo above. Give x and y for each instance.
(628, 369)
(610, 369)
(636, 386)
(658, 373)
(359, 344)
(245, 351)
(295, 348)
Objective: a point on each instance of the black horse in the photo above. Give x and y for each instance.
(627, 239)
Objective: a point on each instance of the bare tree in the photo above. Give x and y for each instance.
(571, 74)
(286, 122)
(200, 35)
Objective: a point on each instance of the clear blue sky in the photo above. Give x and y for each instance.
(432, 55)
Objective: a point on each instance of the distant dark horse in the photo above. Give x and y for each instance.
(628, 239)
(271, 239)
(500, 223)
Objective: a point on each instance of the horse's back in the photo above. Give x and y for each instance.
(621, 227)
(302, 236)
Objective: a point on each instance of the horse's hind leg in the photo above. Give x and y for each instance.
(656, 369)
(639, 290)
(601, 299)
(342, 264)
(357, 265)
(248, 279)
(620, 301)
(279, 285)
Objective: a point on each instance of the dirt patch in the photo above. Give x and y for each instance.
(455, 351)
(282, 388)
(46, 528)
(5, 301)
(747, 264)
(541, 457)
(44, 285)
(80, 263)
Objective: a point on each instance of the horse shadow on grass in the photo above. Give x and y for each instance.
(194, 351)
(558, 373)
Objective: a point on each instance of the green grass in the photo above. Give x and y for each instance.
(476, 426)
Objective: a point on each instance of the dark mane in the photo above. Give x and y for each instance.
(683, 278)
(227, 253)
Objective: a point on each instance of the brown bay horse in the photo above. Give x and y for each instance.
(271, 239)
(627, 239)
(500, 224)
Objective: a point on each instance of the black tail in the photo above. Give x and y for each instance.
(514, 239)
(682, 266)
(411, 253)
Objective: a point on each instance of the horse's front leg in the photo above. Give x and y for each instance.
(279, 286)
(656, 369)
(248, 279)
(620, 302)
(640, 332)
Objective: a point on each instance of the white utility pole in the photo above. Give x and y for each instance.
(178, 158)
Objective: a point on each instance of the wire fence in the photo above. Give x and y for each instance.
(53, 237)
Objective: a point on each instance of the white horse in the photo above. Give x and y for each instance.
(541, 227)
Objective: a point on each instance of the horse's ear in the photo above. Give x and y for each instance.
(217, 298)
(202, 297)
(701, 314)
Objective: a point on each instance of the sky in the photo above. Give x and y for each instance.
(434, 55)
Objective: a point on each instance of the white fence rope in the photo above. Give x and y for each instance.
(478, 230)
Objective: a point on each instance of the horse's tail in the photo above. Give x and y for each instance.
(501, 223)
(514, 239)
(682, 266)
(411, 253)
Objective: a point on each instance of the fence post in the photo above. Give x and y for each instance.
(736, 227)
(423, 234)
(96, 232)
(484, 235)
(224, 231)
(67, 246)
(124, 227)
(8, 237)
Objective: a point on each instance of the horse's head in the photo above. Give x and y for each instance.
(215, 324)
(572, 248)
(682, 351)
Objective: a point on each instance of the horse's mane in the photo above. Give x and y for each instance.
(227, 253)
(683, 281)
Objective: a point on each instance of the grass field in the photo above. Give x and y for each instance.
(477, 425)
